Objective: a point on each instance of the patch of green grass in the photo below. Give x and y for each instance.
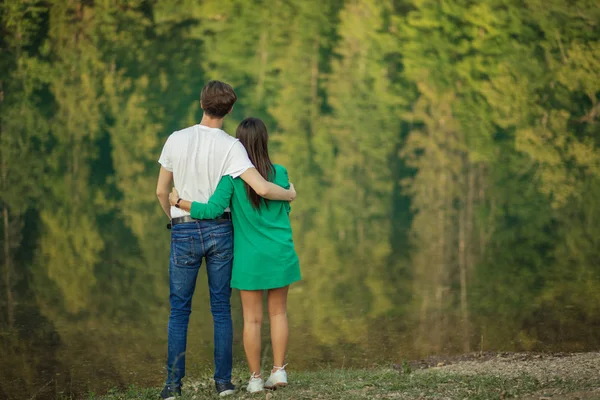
(378, 383)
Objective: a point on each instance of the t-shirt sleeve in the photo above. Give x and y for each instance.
(237, 161)
(165, 157)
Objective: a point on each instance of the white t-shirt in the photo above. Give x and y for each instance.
(199, 156)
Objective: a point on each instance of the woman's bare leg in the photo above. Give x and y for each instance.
(279, 323)
(252, 306)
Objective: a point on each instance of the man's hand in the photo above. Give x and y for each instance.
(293, 190)
(173, 197)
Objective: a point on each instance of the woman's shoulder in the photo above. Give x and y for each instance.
(279, 168)
(227, 180)
(281, 175)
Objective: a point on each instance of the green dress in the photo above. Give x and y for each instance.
(263, 249)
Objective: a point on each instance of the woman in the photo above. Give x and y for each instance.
(264, 256)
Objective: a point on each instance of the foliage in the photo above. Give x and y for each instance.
(446, 155)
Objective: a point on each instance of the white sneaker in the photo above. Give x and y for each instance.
(256, 384)
(277, 378)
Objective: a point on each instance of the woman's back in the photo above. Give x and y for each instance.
(271, 214)
(264, 255)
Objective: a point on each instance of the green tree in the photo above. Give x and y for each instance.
(22, 131)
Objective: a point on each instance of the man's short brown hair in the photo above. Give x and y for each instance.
(217, 98)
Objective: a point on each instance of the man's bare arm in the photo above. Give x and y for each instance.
(265, 188)
(163, 188)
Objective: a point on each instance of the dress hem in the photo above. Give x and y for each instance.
(266, 287)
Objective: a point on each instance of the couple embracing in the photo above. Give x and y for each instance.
(229, 206)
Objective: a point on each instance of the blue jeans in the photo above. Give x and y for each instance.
(190, 242)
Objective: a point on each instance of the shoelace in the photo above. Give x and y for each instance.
(280, 368)
(255, 376)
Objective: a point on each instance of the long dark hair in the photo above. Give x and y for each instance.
(252, 132)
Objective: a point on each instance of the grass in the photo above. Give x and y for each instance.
(377, 383)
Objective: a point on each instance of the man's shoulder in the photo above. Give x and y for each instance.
(224, 136)
(185, 131)
(205, 133)
(180, 137)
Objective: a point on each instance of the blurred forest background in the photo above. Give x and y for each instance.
(446, 155)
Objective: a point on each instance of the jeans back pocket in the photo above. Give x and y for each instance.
(222, 244)
(183, 251)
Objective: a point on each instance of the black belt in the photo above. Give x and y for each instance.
(226, 216)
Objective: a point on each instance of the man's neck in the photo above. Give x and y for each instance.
(211, 122)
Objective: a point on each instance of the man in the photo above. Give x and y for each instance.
(195, 159)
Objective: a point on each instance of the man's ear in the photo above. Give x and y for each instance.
(201, 105)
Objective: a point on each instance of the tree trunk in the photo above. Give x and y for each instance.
(314, 102)
(7, 238)
(485, 231)
(470, 256)
(469, 226)
(263, 55)
(314, 82)
(424, 330)
(442, 265)
(463, 259)
(8, 267)
(462, 266)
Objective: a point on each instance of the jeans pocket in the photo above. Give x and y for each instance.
(222, 244)
(183, 252)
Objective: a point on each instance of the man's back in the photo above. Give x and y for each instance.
(199, 156)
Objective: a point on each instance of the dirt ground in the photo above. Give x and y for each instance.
(579, 368)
